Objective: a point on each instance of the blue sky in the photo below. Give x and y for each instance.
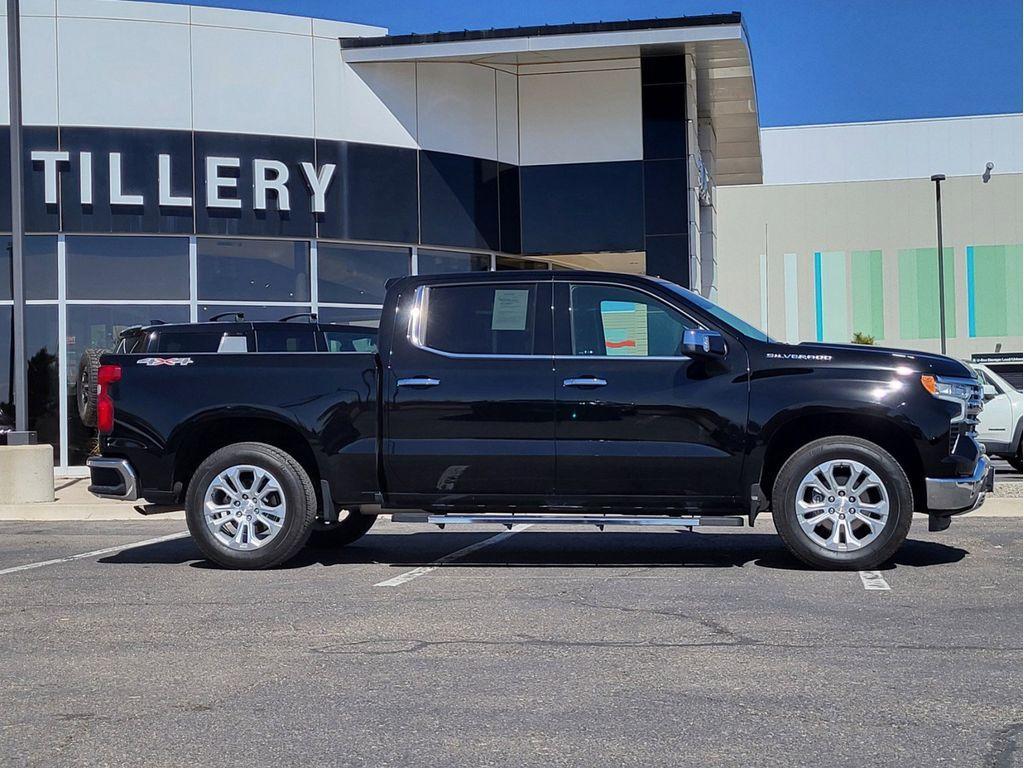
(815, 61)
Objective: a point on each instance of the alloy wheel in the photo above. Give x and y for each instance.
(244, 507)
(842, 505)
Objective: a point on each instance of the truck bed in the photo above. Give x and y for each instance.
(165, 406)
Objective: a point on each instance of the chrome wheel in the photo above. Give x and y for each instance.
(244, 507)
(842, 505)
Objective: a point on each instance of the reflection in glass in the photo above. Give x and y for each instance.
(98, 327)
(100, 267)
(368, 317)
(356, 274)
(251, 312)
(40, 267)
(442, 262)
(506, 263)
(252, 270)
(43, 378)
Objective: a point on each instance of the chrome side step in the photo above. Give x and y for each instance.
(508, 520)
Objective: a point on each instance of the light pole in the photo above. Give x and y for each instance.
(19, 378)
(938, 178)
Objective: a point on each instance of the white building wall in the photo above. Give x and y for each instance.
(257, 71)
(457, 108)
(373, 103)
(573, 115)
(899, 149)
(38, 63)
(149, 62)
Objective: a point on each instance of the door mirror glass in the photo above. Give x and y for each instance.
(698, 342)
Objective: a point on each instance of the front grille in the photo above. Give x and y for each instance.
(967, 425)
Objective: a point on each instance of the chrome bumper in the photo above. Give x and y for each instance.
(112, 479)
(952, 495)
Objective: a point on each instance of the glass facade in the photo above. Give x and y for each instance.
(430, 262)
(112, 282)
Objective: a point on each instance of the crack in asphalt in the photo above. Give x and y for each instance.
(414, 645)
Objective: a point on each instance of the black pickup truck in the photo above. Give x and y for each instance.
(555, 397)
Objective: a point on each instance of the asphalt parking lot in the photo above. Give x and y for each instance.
(537, 647)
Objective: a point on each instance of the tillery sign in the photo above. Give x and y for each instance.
(269, 180)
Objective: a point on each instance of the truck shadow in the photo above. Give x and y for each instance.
(550, 549)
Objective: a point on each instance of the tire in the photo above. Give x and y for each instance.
(276, 513)
(88, 371)
(1015, 460)
(350, 526)
(862, 541)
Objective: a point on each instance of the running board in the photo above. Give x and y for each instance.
(599, 520)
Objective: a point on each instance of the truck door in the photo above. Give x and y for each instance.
(637, 422)
(470, 394)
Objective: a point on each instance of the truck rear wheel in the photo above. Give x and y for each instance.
(350, 526)
(842, 503)
(250, 506)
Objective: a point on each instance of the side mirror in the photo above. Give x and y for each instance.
(698, 342)
(989, 391)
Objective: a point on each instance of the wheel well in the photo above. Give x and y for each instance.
(803, 430)
(211, 436)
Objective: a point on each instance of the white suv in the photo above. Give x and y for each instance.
(999, 426)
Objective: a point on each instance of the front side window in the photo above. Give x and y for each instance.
(482, 319)
(613, 321)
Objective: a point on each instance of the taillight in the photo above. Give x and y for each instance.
(107, 375)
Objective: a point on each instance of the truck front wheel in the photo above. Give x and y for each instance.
(250, 506)
(842, 503)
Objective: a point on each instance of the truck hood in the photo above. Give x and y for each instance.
(862, 354)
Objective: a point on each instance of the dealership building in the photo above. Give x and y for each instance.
(185, 161)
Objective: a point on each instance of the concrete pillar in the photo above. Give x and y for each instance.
(708, 211)
(26, 474)
(693, 151)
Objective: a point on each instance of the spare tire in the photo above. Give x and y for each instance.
(88, 371)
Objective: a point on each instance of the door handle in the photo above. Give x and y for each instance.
(585, 381)
(419, 381)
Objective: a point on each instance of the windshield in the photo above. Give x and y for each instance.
(742, 326)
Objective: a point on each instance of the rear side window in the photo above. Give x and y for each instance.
(188, 342)
(481, 319)
(298, 339)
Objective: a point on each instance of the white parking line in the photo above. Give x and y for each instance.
(94, 553)
(423, 570)
(874, 580)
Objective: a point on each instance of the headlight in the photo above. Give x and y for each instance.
(959, 391)
(951, 389)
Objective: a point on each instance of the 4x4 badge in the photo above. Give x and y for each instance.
(165, 361)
